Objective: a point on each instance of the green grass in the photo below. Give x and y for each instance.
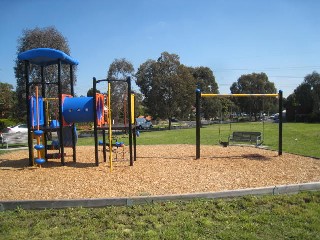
(263, 217)
(298, 138)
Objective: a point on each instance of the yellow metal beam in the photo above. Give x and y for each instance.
(50, 99)
(240, 95)
(132, 108)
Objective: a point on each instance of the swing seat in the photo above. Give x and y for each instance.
(224, 144)
(251, 137)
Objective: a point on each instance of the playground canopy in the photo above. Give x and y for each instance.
(46, 57)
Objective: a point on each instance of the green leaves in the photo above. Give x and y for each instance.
(48, 37)
(254, 83)
(167, 85)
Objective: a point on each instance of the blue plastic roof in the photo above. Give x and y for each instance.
(46, 56)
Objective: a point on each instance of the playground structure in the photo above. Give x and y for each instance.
(109, 127)
(71, 110)
(238, 136)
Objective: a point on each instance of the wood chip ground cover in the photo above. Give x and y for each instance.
(160, 169)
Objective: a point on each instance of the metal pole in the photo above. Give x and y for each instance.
(198, 123)
(280, 122)
(134, 143)
(73, 127)
(95, 131)
(43, 94)
(110, 125)
(240, 95)
(130, 124)
(104, 145)
(29, 121)
(60, 113)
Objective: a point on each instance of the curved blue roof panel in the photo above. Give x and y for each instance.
(46, 56)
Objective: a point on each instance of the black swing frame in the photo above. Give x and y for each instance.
(199, 95)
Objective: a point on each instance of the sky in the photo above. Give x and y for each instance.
(232, 37)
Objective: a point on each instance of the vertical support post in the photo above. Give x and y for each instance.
(43, 94)
(130, 123)
(30, 140)
(73, 134)
(110, 125)
(95, 131)
(198, 123)
(134, 127)
(280, 122)
(71, 80)
(60, 113)
(134, 143)
(104, 145)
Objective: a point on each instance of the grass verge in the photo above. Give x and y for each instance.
(251, 217)
(298, 138)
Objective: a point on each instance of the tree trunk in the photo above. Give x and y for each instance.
(169, 123)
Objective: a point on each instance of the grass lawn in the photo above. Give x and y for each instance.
(298, 138)
(263, 217)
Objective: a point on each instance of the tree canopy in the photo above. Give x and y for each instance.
(168, 87)
(90, 92)
(250, 84)
(304, 103)
(313, 80)
(48, 37)
(7, 100)
(119, 70)
(206, 82)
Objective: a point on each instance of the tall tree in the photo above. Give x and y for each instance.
(168, 87)
(313, 80)
(48, 37)
(119, 70)
(7, 99)
(304, 103)
(250, 84)
(206, 83)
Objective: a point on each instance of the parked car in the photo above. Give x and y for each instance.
(142, 123)
(23, 128)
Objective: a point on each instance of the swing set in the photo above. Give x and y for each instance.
(252, 137)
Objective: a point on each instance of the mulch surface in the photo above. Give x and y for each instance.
(160, 169)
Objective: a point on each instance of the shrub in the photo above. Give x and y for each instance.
(6, 123)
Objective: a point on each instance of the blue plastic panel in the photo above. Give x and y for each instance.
(46, 56)
(33, 111)
(78, 109)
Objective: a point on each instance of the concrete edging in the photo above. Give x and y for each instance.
(128, 201)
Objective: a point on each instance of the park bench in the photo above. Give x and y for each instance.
(13, 138)
(248, 137)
